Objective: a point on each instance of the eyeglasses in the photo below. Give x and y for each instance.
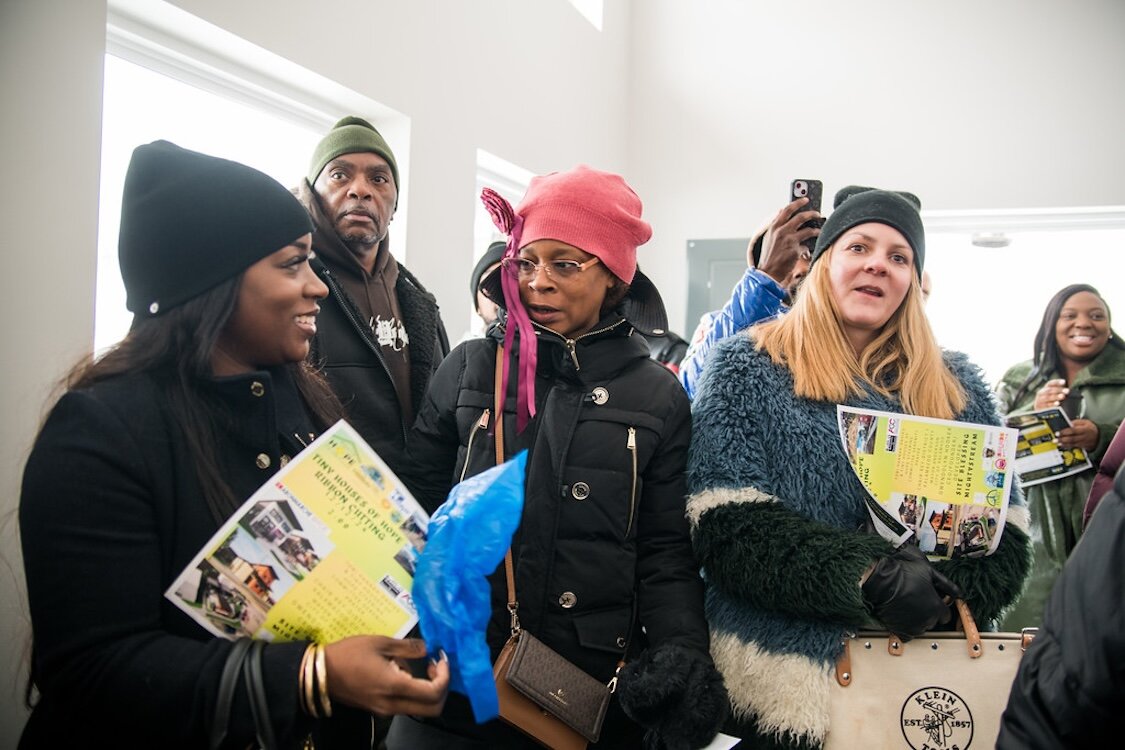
(526, 269)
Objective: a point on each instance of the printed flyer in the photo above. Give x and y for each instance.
(941, 484)
(1038, 456)
(325, 549)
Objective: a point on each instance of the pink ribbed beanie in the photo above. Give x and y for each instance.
(592, 210)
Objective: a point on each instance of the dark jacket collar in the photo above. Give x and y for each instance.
(601, 353)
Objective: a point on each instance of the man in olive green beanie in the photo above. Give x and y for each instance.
(349, 136)
(379, 334)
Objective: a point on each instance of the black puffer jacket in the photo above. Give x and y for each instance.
(1070, 687)
(604, 510)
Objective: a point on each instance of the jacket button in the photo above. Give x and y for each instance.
(567, 600)
(263, 461)
(257, 388)
(600, 395)
(580, 491)
(621, 641)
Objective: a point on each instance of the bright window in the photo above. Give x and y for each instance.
(142, 106)
(989, 302)
(511, 182)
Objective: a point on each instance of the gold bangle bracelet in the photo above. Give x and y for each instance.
(306, 681)
(322, 682)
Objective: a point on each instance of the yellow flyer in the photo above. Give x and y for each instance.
(1038, 455)
(939, 484)
(323, 550)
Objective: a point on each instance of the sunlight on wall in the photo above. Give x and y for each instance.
(593, 10)
(142, 106)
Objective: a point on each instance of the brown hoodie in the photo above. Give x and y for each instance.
(373, 294)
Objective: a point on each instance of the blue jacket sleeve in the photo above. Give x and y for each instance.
(754, 298)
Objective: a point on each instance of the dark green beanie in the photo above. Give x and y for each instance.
(190, 221)
(351, 135)
(855, 205)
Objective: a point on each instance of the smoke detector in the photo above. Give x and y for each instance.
(991, 239)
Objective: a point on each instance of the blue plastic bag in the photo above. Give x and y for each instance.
(467, 538)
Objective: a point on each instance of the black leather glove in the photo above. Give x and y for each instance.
(904, 592)
(676, 694)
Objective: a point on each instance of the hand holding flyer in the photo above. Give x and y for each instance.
(1039, 458)
(324, 550)
(941, 484)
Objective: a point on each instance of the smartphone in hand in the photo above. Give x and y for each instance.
(813, 190)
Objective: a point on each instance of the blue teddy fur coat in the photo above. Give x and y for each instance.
(780, 529)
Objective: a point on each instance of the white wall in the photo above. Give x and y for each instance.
(50, 84)
(1012, 103)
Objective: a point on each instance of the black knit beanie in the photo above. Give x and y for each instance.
(190, 222)
(855, 205)
(492, 255)
(351, 135)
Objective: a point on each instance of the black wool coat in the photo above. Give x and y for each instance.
(111, 511)
(603, 525)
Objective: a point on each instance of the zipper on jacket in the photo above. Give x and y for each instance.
(572, 344)
(482, 424)
(364, 333)
(631, 444)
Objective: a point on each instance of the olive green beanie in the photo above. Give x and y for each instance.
(351, 135)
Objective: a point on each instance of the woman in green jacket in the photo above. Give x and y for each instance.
(1079, 365)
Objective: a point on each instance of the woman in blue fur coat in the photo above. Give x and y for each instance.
(777, 513)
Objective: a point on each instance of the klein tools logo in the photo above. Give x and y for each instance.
(934, 718)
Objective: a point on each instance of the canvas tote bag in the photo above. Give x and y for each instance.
(940, 691)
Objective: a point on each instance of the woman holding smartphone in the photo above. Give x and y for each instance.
(151, 448)
(779, 520)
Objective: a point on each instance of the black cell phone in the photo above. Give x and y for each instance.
(1074, 405)
(813, 190)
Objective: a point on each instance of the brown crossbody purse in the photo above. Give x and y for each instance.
(540, 692)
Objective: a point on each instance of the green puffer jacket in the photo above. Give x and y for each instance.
(1056, 507)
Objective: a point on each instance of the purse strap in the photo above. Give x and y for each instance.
(256, 688)
(232, 670)
(972, 635)
(244, 661)
(509, 568)
(966, 623)
(498, 433)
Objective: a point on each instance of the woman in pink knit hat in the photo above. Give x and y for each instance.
(602, 557)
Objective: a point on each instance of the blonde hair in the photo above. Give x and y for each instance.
(903, 359)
